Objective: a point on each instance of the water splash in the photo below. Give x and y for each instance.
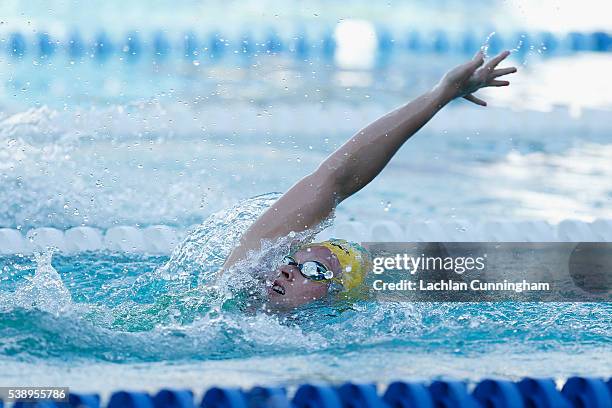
(111, 323)
(484, 48)
(196, 260)
(195, 263)
(519, 45)
(172, 307)
(45, 291)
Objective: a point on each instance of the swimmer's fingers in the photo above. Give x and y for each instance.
(458, 75)
(495, 82)
(475, 100)
(493, 62)
(473, 65)
(501, 72)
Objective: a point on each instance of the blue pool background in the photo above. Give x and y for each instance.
(126, 137)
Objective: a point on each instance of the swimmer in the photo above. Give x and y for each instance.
(314, 270)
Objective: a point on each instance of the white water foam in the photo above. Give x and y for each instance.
(45, 290)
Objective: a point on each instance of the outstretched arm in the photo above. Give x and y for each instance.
(357, 162)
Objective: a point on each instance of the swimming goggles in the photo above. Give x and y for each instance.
(312, 270)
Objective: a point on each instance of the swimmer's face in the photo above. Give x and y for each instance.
(291, 289)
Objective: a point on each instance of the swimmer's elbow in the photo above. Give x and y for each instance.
(332, 181)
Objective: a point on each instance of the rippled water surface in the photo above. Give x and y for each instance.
(160, 320)
(185, 141)
(98, 311)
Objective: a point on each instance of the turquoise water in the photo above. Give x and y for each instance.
(86, 143)
(107, 321)
(150, 319)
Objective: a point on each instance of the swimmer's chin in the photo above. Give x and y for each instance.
(278, 303)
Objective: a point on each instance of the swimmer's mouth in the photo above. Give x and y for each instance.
(278, 289)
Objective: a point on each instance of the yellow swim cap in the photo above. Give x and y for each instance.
(354, 259)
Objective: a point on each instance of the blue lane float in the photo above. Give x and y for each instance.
(401, 394)
(224, 398)
(75, 46)
(123, 399)
(132, 48)
(135, 44)
(498, 394)
(360, 396)
(452, 394)
(102, 46)
(273, 43)
(46, 45)
(191, 45)
(173, 399)
(217, 46)
(17, 45)
(602, 42)
(161, 45)
(587, 392)
(541, 393)
(263, 397)
(84, 400)
(580, 392)
(301, 47)
(316, 396)
(328, 45)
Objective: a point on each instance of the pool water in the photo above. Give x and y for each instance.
(84, 152)
(106, 328)
(147, 321)
(185, 142)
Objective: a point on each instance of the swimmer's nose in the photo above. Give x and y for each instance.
(287, 272)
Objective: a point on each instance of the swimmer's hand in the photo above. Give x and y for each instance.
(464, 80)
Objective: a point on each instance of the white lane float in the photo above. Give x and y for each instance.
(12, 242)
(575, 231)
(45, 238)
(161, 239)
(80, 239)
(124, 239)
